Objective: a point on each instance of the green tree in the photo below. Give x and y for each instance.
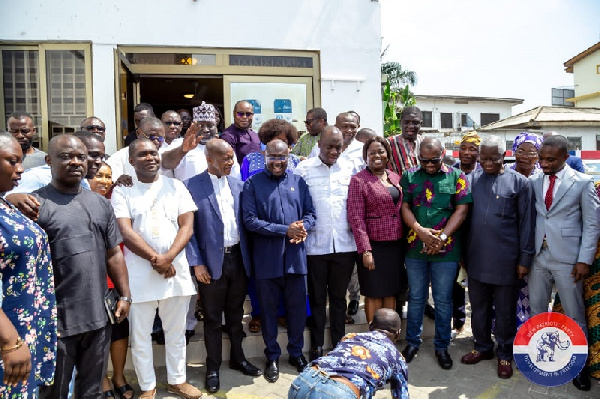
(397, 76)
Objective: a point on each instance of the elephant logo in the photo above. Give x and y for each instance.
(547, 344)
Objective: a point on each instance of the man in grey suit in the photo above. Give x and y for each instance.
(566, 235)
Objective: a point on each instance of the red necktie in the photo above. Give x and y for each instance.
(549, 192)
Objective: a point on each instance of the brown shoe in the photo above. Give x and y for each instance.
(474, 357)
(148, 394)
(185, 390)
(504, 369)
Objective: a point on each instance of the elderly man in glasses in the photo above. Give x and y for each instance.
(95, 125)
(239, 134)
(150, 128)
(435, 204)
(173, 125)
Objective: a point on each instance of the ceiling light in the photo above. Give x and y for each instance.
(188, 95)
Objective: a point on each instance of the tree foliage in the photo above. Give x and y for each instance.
(397, 76)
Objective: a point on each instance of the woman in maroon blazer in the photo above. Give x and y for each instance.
(374, 202)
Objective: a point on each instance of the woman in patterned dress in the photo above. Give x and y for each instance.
(525, 149)
(28, 313)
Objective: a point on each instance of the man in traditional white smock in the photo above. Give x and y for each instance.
(156, 218)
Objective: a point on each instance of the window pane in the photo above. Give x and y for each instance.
(489, 118)
(21, 93)
(65, 69)
(172, 59)
(446, 120)
(574, 143)
(427, 119)
(271, 61)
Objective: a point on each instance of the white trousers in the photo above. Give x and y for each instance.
(172, 312)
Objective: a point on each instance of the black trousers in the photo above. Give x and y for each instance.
(329, 275)
(88, 352)
(483, 296)
(227, 294)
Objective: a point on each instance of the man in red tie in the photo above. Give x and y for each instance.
(566, 235)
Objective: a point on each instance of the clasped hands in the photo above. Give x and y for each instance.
(432, 243)
(297, 232)
(163, 264)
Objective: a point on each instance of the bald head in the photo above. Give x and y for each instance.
(549, 134)
(67, 157)
(386, 320)
(276, 146)
(215, 147)
(431, 143)
(57, 143)
(330, 145)
(365, 134)
(329, 132)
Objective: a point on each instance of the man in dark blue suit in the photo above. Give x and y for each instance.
(220, 263)
(278, 210)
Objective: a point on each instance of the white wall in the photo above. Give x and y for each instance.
(587, 134)
(473, 108)
(347, 33)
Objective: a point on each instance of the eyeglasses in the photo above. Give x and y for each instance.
(275, 159)
(160, 139)
(530, 154)
(90, 128)
(169, 123)
(246, 114)
(433, 161)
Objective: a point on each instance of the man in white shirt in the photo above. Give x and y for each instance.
(156, 217)
(220, 264)
(330, 244)
(348, 123)
(150, 128)
(186, 155)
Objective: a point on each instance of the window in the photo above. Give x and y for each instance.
(598, 142)
(427, 119)
(487, 118)
(559, 97)
(52, 82)
(271, 61)
(446, 118)
(574, 143)
(509, 144)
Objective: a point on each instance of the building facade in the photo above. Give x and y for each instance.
(65, 61)
(585, 68)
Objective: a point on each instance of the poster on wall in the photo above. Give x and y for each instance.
(273, 101)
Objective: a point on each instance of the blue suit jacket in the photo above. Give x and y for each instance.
(575, 163)
(206, 244)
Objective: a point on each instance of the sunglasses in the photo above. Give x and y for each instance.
(433, 161)
(94, 127)
(169, 123)
(275, 159)
(246, 114)
(160, 139)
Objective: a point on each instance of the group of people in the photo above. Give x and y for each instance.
(296, 223)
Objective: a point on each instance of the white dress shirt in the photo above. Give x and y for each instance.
(153, 209)
(353, 153)
(194, 162)
(559, 176)
(227, 209)
(328, 188)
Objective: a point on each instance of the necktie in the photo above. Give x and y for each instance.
(550, 191)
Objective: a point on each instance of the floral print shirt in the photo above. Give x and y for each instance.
(28, 295)
(369, 360)
(433, 200)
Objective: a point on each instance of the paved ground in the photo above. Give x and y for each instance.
(426, 379)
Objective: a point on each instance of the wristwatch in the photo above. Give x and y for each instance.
(443, 237)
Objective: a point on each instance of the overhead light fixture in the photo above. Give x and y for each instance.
(188, 95)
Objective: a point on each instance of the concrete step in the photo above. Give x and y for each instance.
(254, 345)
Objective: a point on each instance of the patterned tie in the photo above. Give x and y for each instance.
(549, 192)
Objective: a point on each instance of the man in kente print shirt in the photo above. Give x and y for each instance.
(435, 204)
(359, 365)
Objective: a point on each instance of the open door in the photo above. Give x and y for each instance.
(127, 95)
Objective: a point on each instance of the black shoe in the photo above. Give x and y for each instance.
(409, 353)
(298, 362)
(159, 337)
(353, 307)
(212, 382)
(246, 367)
(189, 334)
(444, 359)
(272, 370)
(315, 353)
(582, 381)
(430, 311)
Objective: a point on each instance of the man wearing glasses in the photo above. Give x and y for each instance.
(316, 121)
(435, 204)
(239, 134)
(173, 125)
(94, 125)
(150, 128)
(20, 125)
